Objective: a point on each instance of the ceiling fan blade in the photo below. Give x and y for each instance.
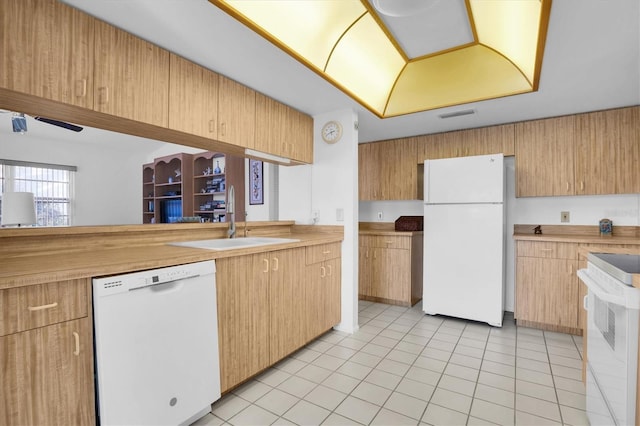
(58, 123)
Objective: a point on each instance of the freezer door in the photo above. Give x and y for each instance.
(464, 261)
(477, 179)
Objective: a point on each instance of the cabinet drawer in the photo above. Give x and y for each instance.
(320, 253)
(547, 249)
(25, 308)
(386, 241)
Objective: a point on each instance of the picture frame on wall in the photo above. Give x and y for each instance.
(256, 182)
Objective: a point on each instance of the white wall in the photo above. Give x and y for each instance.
(623, 210)
(327, 186)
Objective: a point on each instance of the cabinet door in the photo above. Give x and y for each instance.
(322, 297)
(236, 113)
(243, 317)
(131, 76)
(283, 131)
(365, 270)
(547, 291)
(368, 171)
(47, 51)
(608, 152)
(544, 157)
(47, 375)
(193, 98)
(286, 296)
(392, 270)
(488, 140)
(388, 170)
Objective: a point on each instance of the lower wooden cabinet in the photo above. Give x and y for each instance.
(243, 318)
(270, 305)
(547, 286)
(47, 366)
(322, 290)
(390, 268)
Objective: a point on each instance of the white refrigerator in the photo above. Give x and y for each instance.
(464, 238)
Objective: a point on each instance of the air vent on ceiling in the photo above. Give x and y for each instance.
(458, 113)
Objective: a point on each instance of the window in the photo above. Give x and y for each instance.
(51, 184)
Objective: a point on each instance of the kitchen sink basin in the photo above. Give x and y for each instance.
(233, 243)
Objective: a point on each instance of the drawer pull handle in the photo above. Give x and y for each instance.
(81, 88)
(266, 265)
(276, 264)
(567, 186)
(581, 185)
(42, 307)
(103, 95)
(212, 126)
(326, 252)
(76, 338)
(330, 268)
(323, 272)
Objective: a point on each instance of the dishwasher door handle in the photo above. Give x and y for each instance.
(164, 282)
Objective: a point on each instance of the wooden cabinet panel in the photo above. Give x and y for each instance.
(608, 152)
(366, 271)
(322, 252)
(131, 76)
(546, 291)
(394, 266)
(368, 172)
(283, 131)
(385, 241)
(47, 51)
(236, 113)
(193, 98)
(480, 141)
(388, 170)
(25, 308)
(286, 302)
(544, 157)
(322, 297)
(47, 376)
(243, 317)
(547, 249)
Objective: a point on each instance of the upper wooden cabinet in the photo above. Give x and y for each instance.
(608, 152)
(388, 170)
(195, 86)
(544, 157)
(236, 113)
(47, 51)
(282, 130)
(131, 76)
(480, 141)
(585, 154)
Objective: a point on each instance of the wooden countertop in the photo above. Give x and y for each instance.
(573, 238)
(42, 268)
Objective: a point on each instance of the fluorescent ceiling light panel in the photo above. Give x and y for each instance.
(349, 44)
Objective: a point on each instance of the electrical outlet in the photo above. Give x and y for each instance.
(564, 217)
(380, 216)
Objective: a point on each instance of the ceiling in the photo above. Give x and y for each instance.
(591, 62)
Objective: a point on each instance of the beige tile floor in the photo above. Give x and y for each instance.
(406, 368)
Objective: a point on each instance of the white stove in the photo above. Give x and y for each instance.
(612, 307)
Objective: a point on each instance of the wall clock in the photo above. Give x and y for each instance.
(331, 132)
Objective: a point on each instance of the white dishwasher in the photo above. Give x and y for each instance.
(156, 345)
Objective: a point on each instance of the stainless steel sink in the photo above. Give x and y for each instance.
(233, 243)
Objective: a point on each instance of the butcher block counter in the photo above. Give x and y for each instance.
(31, 256)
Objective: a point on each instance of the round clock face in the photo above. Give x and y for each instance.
(331, 132)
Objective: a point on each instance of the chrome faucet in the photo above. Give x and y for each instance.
(231, 206)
